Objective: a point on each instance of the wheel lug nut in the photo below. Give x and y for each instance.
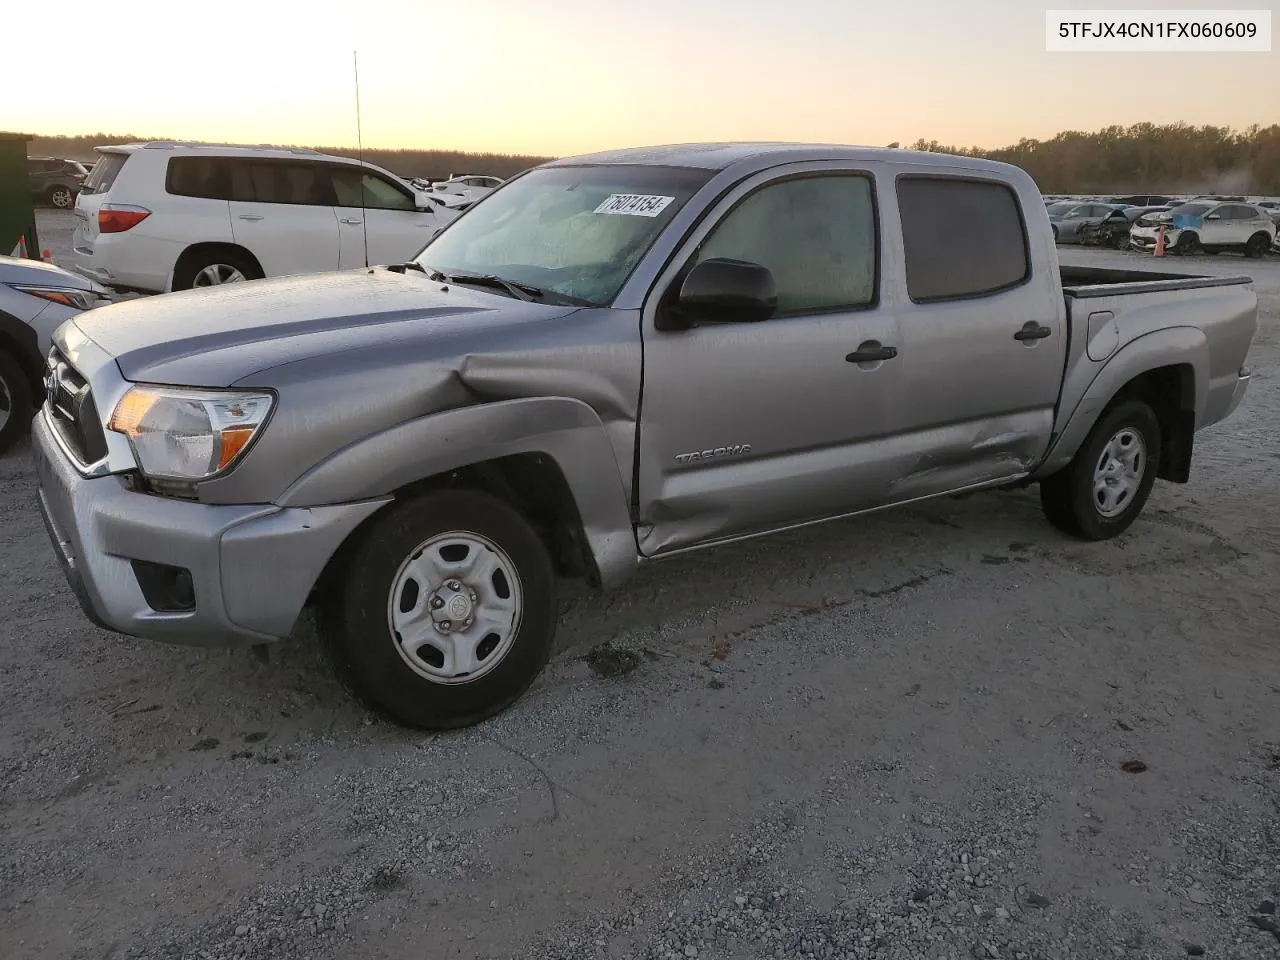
(436, 603)
(453, 585)
(446, 626)
(473, 594)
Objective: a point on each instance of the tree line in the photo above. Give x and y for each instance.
(1174, 158)
(1144, 158)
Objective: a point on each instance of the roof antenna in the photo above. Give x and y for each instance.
(364, 216)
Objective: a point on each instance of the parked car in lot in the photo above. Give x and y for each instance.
(1208, 227)
(470, 188)
(1069, 218)
(169, 216)
(35, 298)
(1143, 200)
(613, 360)
(1113, 230)
(54, 181)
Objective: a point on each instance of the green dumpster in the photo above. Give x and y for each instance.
(17, 215)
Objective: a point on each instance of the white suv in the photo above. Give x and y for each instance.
(1209, 226)
(167, 215)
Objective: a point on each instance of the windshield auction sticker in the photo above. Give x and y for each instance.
(634, 204)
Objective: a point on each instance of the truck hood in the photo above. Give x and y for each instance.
(219, 336)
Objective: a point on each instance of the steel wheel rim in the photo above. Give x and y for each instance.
(455, 607)
(1118, 474)
(217, 273)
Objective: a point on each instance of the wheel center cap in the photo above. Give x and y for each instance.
(459, 607)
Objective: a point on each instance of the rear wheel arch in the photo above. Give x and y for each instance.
(1170, 391)
(191, 259)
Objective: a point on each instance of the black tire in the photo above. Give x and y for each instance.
(1257, 246)
(61, 197)
(1068, 496)
(1120, 241)
(1188, 243)
(1055, 234)
(354, 618)
(16, 406)
(190, 267)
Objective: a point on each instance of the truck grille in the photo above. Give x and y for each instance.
(72, 410)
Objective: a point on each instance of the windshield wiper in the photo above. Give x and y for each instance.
(521, 291)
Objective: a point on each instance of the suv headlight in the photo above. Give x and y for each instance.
(189, 434)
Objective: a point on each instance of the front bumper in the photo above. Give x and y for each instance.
(252, 567)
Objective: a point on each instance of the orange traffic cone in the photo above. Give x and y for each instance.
(46, 255)
(1159, 250)
(21, 249)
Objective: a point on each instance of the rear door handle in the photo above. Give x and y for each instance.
(349, 220)
(1033, 331)
(250, 216)
(872, 354)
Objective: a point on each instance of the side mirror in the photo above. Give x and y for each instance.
(1213, 216)
(721, 290)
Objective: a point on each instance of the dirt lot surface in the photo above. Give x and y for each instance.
(903, 736)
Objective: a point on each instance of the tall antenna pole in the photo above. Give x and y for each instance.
(364, 214)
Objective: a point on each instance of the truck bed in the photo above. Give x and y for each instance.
(1082, 282)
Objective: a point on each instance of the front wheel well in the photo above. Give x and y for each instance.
(1170, 391)
(532, 483)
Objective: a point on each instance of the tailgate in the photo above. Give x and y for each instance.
(93, 194)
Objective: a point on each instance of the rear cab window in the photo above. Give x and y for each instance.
(104, 172)
(963, 238)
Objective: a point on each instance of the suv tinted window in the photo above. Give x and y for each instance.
(962, 238)
(104, 173)
(816, 234)
(280, 181)
(207, 177)
(378, 194)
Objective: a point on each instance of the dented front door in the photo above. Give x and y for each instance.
(747, 427)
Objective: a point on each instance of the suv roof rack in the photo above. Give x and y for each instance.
(170, 144)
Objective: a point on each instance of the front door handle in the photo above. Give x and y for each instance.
(868, 353)
(349, 220)
(1033, 331)
(250, 216)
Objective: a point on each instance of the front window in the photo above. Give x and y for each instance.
(1060, 209)
(575, 232)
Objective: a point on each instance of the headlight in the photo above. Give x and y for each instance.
(188, 434)
(67, 296)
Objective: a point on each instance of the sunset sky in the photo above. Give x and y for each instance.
(558, 77)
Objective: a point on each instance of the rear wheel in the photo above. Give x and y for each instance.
(1102, 491)
(444, 612)
(16, 406)
(61, 197)
(1257, 246)
(213, 268)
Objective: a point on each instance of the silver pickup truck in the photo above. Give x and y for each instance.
(609, 360)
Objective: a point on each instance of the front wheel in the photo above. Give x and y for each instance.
(1188, 243)
(1102, 491)
(444, 611)
(16, 408)
(61, 197)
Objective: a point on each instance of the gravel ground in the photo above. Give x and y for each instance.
(903, 736)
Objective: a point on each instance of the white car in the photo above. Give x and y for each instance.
(1208, 226)
(169, 215)
(471, 188)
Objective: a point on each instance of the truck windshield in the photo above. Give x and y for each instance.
(575, 233)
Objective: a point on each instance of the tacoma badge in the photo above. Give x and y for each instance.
(734, 451)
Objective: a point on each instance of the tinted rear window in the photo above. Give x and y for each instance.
(962, 238)
(104, 173)
(281, 181)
